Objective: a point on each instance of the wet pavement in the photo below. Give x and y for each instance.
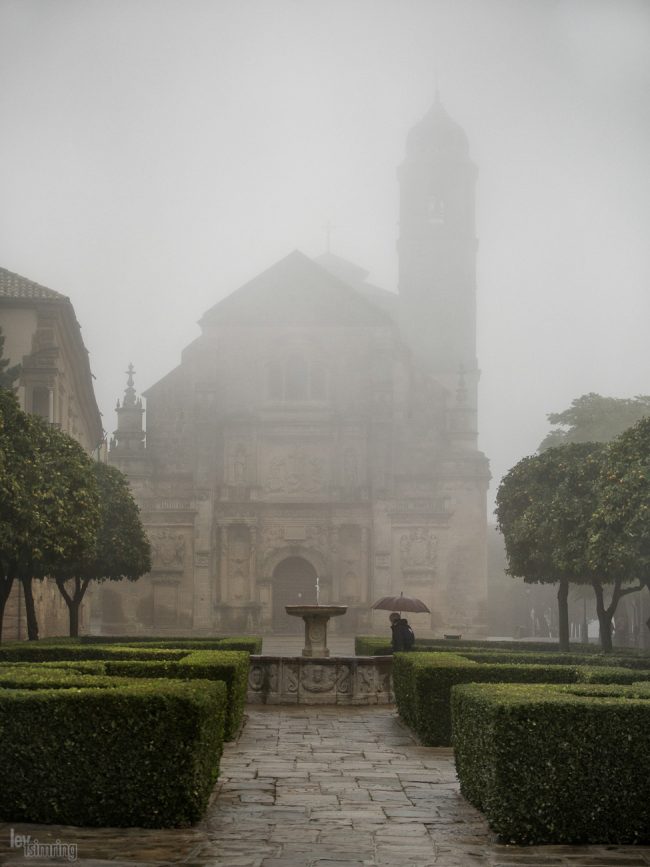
(324, 787)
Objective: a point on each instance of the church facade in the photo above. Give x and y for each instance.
(322, 430)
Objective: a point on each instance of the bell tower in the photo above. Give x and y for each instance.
(437, 254)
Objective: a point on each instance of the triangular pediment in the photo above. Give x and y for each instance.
(295, 291)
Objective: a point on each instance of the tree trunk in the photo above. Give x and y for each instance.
(6, 583)
(563, 613)
(606, 615)
(30, 609)
(604, 618)
(73, 611)
(73, 602)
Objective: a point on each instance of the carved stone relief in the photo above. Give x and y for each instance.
(273, 536)
(418, 549)
(318, 678)
(239, 556)
(312, 536)
(202, 559)
(239, 465)
(290, 673)
(167, 549)
(297, 471)
(263, 678)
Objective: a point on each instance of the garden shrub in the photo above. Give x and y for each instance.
(108, 752)
(250, 643)
(423, 681)
(373, 645)
(231, 667)
(37, 651)
(556, 764)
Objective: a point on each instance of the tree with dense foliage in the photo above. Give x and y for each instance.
(122, 549)
(593, 418)
(8, 375)
(49, 505)
(620, 530)
(17, 520)
(69, 510)
(544, 506)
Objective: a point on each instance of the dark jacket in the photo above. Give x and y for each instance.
(402, 635)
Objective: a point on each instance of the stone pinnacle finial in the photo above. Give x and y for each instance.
(129, 391)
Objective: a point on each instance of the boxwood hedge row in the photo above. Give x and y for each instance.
(231, 667)
(37, 651)
(422, 683)
(250, 643)
(556, 764)
(372, 645)
(92, 750)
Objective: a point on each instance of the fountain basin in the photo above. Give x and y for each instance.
(316, 618)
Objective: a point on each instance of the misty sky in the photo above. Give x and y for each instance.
(156, 154)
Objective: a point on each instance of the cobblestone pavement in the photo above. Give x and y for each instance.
(326, 787)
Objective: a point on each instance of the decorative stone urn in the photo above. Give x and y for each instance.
(316, 618)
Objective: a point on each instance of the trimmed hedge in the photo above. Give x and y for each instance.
(231, 667)
(373, 645)
(422, 683)
(250, 643)
(104, 751)
(37, 651)
(552, 764)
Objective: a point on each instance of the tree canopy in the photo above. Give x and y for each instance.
(593, 418)
(621, 525)
(121, 551)
(544, 506)
(8, 375)
(49, 503)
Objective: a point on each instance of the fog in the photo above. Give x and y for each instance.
(156, 155)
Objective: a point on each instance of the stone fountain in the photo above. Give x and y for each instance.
(316, 618)
(315, 677)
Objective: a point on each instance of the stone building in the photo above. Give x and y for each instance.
(42, 335)
(321, 427)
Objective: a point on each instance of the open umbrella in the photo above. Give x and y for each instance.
(400, 603)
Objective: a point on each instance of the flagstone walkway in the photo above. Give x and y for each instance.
(325, 787)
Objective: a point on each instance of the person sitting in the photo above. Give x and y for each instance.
(403, 636)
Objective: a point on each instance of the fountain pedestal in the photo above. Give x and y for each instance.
(316, 618)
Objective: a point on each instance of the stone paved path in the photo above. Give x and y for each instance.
(327, 787)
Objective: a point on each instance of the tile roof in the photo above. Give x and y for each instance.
(14, 286)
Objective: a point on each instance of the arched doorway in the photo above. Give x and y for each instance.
(294, 583)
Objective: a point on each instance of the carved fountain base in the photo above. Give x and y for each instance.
(346, 680)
